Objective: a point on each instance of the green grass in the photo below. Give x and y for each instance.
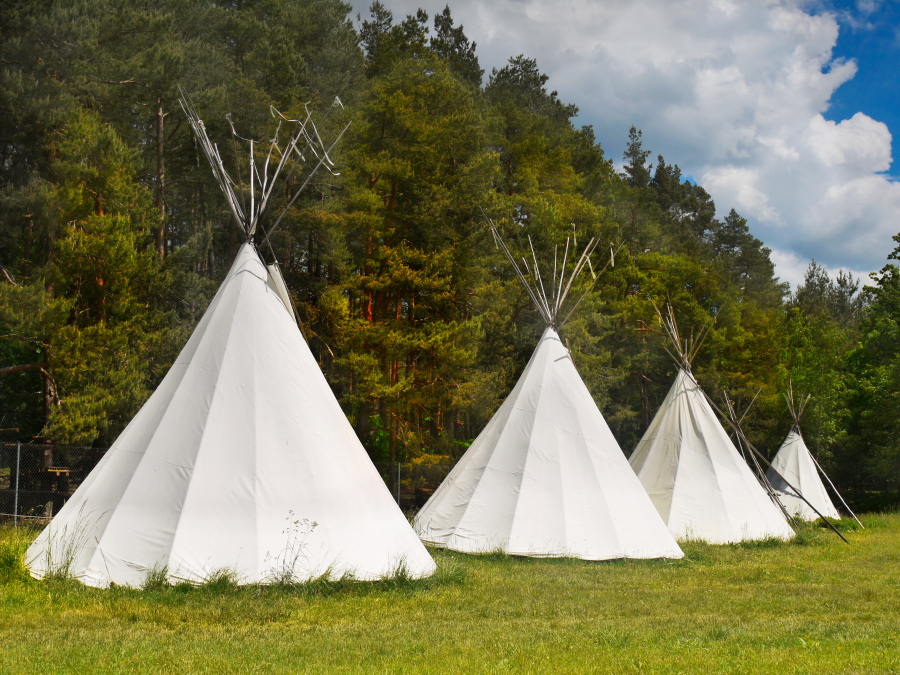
(815, 605)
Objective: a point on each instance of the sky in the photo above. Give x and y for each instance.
(781, 109)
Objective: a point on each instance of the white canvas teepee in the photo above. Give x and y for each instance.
(241, 460)
(695, 476)
(795, 463)
(794, 470)
(546, 477)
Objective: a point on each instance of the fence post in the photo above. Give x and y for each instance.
(16, 498)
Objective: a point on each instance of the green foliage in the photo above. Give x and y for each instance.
(875, 363)
(14, 542)
(114, 237)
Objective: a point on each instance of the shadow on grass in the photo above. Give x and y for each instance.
(14, 543)
(815, 533)
(227, 582)
(498, 557)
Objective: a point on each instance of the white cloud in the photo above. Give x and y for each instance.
(859, 141)
(792, 269)
(733, 91)
(742, 183)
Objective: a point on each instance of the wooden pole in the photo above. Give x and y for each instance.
(759, 454)
(16, 505)
(835, 490)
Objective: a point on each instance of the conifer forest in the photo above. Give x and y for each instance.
(114, 237)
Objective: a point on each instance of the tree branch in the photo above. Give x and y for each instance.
(22, 368)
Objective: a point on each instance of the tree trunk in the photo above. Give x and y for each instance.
(393, 442)
(645, 402)
(26, 247)
(47, 459)
(160, 183)
(362, 420)
(234, 242)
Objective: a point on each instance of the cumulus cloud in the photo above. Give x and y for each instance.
(734, 91)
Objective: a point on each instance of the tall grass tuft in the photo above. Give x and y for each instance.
(768, 542)
(841, 524)
(157, 580)
(222, 581)
(324, 585)
(291, 563)
(63, 546)
(14, 542)
(451, 571)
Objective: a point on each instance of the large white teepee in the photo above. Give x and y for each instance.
(241, 460)
(546, 477)
(795, 464)
(695, 476)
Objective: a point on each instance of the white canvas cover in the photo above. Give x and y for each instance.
(696, 478)
(546, 478)
(795, 465)
(242, 459)
(276, 283)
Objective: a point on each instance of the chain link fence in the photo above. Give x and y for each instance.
(37, 479)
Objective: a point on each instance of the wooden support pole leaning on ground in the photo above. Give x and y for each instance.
(763, 479)
(797, 414)
(835, 490)
(759, 454)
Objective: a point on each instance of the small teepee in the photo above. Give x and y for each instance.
(795, 469)
(695, 476)
(546, 477)
(241, 460)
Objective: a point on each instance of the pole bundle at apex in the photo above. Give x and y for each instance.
(686, 349)
(796, 410)
(261, 181)
(550, 307)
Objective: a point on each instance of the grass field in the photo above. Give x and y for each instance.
(815, 605)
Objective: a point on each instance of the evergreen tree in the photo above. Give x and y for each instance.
(637, 171)
(875, 427)
(414, 189)
(452, 45)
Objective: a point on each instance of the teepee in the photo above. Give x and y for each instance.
(695, 476)
(241, 460)
(795, 469)
(546, 477)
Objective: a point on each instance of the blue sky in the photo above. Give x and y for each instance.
(871, 36)
(785, 110)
